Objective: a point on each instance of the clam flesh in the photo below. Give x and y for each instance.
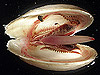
(44, 37)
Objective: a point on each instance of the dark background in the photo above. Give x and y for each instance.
(11, 9)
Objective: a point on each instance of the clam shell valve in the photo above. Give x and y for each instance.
(45, 37)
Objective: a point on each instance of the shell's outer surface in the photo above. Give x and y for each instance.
(45, 56)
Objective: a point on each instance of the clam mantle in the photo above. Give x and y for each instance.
(45, 37)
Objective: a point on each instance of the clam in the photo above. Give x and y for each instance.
(45, 37)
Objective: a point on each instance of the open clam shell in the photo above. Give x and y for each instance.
(50, 59)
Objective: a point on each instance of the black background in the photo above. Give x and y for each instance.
(11, 9)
